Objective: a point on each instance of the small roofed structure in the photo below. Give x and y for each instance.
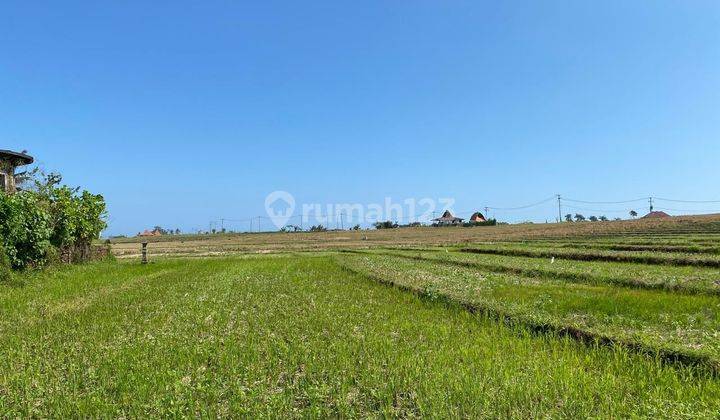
(657, 215)
(147, 232)
(477, 217)
(448, 219)
(9, 162)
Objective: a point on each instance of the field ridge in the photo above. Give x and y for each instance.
(589, 256)
(548, 274)
(686, 358)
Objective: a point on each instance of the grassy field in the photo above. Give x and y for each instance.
(302, 336)
(570, 320)
(683, 279)
(662, 322)
(697, 227)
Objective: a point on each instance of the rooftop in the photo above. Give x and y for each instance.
(448, 217)
(656, 215)
(19, 158)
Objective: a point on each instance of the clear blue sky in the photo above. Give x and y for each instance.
(182, 112)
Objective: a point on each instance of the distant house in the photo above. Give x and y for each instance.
(477, 217)
(448, 219)
(656, 215)
(9, 161)
(154, 232)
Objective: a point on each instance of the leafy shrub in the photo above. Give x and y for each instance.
(385, 225)
(49, 223)
(490, 222)
(5, 269)
(431, 292)
(25, 225)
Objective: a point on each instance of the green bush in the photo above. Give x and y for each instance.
(490, 222)
(388, 224)
(50, 223)
(77, 220)
(5, 269)
(25, 225)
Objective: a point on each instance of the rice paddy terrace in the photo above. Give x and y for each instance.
(590, 320)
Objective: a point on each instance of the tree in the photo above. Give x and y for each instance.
(633, 214)
(356, 227)
(603, 219)
(385, 225)
(579, 217)
(568, 217)
(593, 218)
(177, 231)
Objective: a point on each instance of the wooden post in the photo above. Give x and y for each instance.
(144, 253)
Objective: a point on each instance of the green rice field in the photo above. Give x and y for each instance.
(552, 328)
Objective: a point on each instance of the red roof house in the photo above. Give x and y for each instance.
(477, 217)
(657, 215)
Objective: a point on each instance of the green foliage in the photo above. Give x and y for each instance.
(291, 229)
(318, 228)
(489, 222)
(388, 224)
(50, 222)
(5, 268)
(25, 225)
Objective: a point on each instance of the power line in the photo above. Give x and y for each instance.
(605, 202)
(598, 210)
(687, 201)
(526, 206)
(689, 210)
(562, 203)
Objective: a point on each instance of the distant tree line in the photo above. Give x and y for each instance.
(580, 218)
(577, 217)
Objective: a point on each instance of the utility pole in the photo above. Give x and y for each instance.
(651, 204)
(559, 209)
(342, 222)
(487, 212)
(222, 225)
